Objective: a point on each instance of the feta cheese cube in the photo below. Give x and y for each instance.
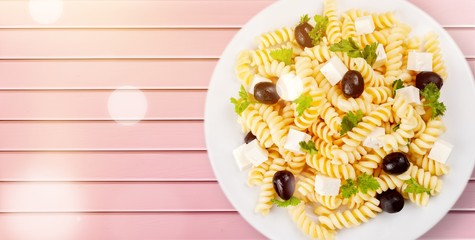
(380, 56)
(257, 79)
(364, 25)
(327, 186)
(419, 61)
(440, 151)
(289, 87)
(411, 93)
(294, 138)
(241, 160)
(255, 153)
(372, 140)
(334, 70)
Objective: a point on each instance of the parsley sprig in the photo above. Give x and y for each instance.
(414, 187)
(303, 102)
(241, 104)
(364, 184)
(431, 94)
(350, 120)
(318, 31)
(354, 51)
(283, 55)
(293, 201)
(308, 147)
(305, 18)
(397, 84)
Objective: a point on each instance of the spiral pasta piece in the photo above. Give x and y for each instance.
(433, 167)
(256, 175)
(258, 127)
(306, 184)
(276, 37)
(260, 57)
(267, 192)
(243, 69)
(344, 104)
(370, 78)
(330, 202)
(333, 30)
(351, 218)
(431, 44)
(324, 165)
(394, 51)
(320, 129)
(348, 28)
(374, 37)
(320, 52)
(273, 69)
(309, 227)
(425, 141)
(383, 20)
(278, 126)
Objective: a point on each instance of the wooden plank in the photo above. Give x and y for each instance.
(141, 13)
(138, 43)
(106, 74)
(44, 136)
(137, 13)
(126, 226)
(106, 166)
(92, 105)
(219, 225)
(129, 197)
(456, 225)
(84, 75)
(110, 74)
(112, 197)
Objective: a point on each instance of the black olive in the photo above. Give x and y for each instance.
(266, 92)
(284, 184)
(424, 78)
(391, 201)
(352, 84)
(249, 137)
(301, 35)
(395, 163)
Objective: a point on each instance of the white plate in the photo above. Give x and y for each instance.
(223, 133)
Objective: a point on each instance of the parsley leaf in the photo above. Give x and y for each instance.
(241, 104)
(350, 120)
(369, 53)
(303, 102)
(397, 84)
(349, 46)
(354, 51)
(308, 147)
(349, 188)
(304, 19)
(318, 31)
(367, 182)
(293, 201)
(283, 55)
(431, 94)
(395, 128)
(414, 187)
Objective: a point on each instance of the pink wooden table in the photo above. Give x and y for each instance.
(68, 171)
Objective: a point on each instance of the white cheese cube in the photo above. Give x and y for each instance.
(380, 56)
(255, 153)
(327, 186)
(440, 151)
(241, 160)
(293, 140)
(372, 140)
(364, 25)
(334, 70)
(289, 87)
(411, 94)
(419, 61)
(257, 79)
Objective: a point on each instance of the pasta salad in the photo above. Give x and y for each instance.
(342, 118)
